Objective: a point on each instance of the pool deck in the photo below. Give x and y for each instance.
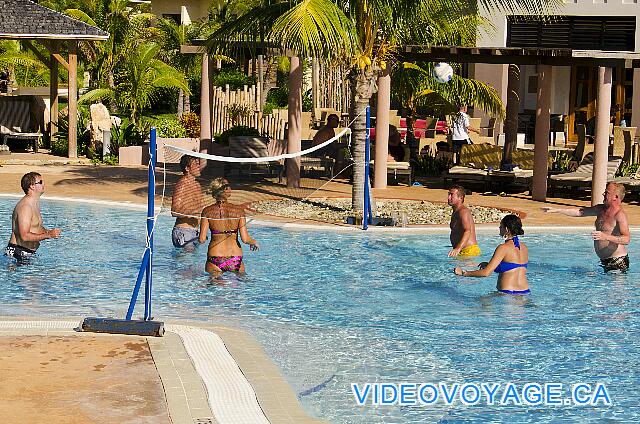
(181, 371)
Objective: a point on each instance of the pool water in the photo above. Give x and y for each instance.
(333, 309)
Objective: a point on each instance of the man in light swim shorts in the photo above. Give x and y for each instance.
(187, 204)
(612, 228)
(463, 229)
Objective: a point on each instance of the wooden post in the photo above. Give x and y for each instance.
(635, 101)
(601, 147)
(53, 97)
(73, 99)
(382, 129)
(511, 122)
(543, 123)
(315, 85)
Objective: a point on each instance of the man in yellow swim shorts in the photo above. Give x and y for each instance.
(463, 229)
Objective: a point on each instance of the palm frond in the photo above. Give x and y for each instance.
(81, 16)
(97, 94)
(315, 28)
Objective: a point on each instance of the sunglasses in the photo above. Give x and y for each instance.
(38, 182)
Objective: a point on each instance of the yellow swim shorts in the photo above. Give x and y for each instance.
(473, 250)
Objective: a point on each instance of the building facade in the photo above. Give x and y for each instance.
(590, 25)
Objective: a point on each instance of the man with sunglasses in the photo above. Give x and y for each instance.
(27, 231)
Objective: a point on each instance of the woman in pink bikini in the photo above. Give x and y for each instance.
(225, 221)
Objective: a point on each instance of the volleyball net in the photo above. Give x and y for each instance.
(259, 172)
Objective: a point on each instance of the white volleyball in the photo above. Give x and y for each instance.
(443, 72)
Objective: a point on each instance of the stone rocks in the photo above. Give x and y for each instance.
(337, 210)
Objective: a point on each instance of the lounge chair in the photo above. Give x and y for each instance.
(582, 148)
(318, 159)
(17, 120)
(582, 177)
(395, 171)
(481, 162)
(623, 142)
(475, 162)
(252, 147)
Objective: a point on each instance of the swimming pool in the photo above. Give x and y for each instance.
(338, 308)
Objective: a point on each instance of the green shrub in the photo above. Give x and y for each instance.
(562, 162)
(236, 79)
(268, 107)
(428, 165)
(278, 96)
(191, 123)
(627, 170)
(235, 131)
(170, 128)
(60, 145)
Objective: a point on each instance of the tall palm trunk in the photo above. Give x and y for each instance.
(363, 85)
(270, 80)
(180, 103)
(112, 85)
(187, 103)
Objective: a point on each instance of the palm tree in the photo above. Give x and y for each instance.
(361, 31)
(127, 25)
(414, 85)
(23, 65)
(140, 78)
(172, 36)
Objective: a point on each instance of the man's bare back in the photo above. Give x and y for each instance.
(187, 202)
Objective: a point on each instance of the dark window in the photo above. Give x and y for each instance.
(610, 33)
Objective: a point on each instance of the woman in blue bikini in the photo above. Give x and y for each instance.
(225, 221)
(509, 260)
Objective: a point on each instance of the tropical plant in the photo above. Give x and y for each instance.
(234, 78)
(140, 78)
(170, 128)
(414, 85)
(238, 130)
(22, 64)
(363, 32)
(60, 145)
(191, 123)
(238, 111)
(428, 165)
(172, 36)
(128, 25)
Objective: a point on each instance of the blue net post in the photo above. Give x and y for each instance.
(150, 223)
(366, 219)
(147, 259)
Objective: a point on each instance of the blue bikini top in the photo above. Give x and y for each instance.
(508, 266)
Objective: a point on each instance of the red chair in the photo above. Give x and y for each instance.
(442, 127)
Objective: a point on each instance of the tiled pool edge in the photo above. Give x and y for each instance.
(184, 388)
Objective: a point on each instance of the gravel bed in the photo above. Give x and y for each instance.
(337, 210)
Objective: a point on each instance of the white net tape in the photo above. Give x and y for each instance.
(346, 131)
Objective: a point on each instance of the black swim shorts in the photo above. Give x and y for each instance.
(19, 253)
(618, 263)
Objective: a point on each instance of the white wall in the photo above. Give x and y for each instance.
(195, 9)
(560, 77)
